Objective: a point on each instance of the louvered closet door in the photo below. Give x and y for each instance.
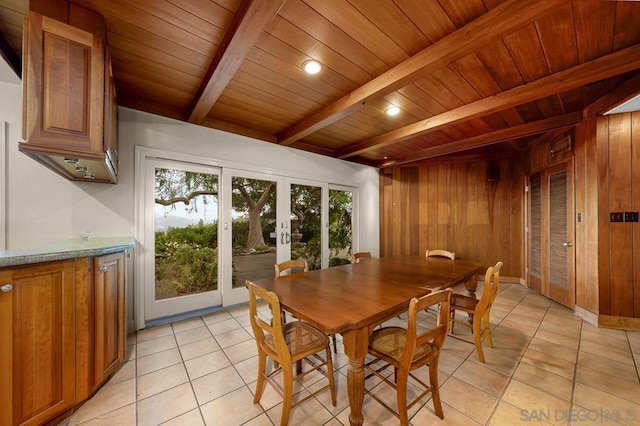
(558, 250)
(535, 232)
(550, 260)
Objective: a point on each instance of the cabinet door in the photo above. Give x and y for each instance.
(37, 355)
(109, 315)
(63, 86)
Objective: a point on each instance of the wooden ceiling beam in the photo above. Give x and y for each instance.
(548, 137)
(504, 135)
(249, 22)
(505, 19)
(515, 145)
(604, 67)
(238, 130)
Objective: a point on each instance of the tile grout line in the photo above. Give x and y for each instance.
(547, 313)
(519, 360)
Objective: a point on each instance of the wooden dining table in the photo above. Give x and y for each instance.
(353, 299)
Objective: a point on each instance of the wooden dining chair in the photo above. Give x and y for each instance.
(355, 257)
(297, 266)
(407, 349)
(293, 266)
(478, 311)
(285, 345)
(441, 253)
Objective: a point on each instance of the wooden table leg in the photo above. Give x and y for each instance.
(472, 285)
(356, 343)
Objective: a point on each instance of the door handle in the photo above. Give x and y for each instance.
(6, 288)
(567, 244)
(288, 238)
(282, 238)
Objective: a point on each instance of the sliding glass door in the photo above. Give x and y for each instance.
(207, 230)
(250, 238)
(182, 234)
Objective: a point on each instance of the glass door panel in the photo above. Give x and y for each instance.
(250, 217)
(340, 226)
(252, 229)
(306, 224)
(184, 219)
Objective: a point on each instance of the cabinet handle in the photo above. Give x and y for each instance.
(103, 268)
(6, 288)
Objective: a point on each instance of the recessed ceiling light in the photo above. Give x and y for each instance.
(311, 66)
(392, 110)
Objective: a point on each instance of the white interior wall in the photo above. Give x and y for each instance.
(43, 207)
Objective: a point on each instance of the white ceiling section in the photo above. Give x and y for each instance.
(632, 104)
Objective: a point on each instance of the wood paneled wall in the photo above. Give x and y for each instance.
(586, 230)
(452, 205)
(618, 165)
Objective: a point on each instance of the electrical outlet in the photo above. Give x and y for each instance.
(616, 217)
(630, 216)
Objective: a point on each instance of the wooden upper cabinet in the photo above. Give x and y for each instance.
(64, 86)
(68, 100)
(37, 354)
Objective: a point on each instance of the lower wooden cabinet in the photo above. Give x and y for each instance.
(62, 333)
(109, 334)
(37, 332)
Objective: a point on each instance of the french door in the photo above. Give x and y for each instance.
(551, 269)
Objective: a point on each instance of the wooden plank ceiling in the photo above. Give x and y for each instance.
(483, 76)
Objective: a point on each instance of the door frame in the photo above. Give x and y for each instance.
(140, 172)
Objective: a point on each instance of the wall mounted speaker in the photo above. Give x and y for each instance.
(493, 173)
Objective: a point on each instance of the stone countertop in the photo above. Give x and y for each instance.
(69, 249)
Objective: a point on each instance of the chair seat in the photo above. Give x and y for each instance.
(464, 303)
(301, 339)
(389, 342)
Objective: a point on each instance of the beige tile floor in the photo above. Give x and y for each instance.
(547, 367)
